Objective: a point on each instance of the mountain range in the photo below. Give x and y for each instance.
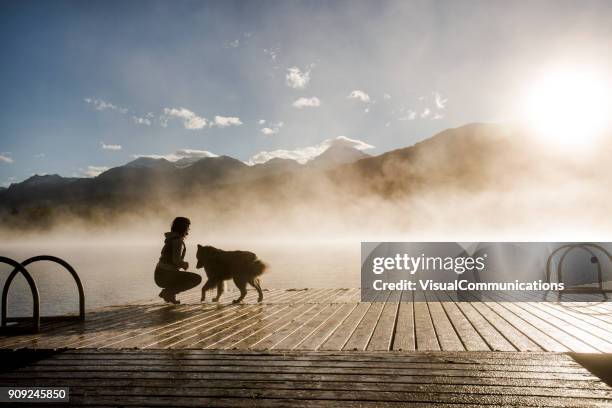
(471, 158)
(145, 177)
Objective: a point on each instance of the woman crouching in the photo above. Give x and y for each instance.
(167, 273)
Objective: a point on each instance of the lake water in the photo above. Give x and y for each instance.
(114, 273)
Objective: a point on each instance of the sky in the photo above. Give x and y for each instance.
(90, 85)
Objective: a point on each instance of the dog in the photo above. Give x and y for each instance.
(241, 266)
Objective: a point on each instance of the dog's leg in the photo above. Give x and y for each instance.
(219, 291)
(257, 285)
(241, 284)
(207, 286)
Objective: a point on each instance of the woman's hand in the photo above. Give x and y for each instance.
(185, 265)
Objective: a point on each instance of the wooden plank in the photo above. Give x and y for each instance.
(595, 333)
(404, 337)
(523, 336)
(248, 362)
(256, 400)
(469, 377)
(292, 333)
(236, 338)
(191, 397)
(583, 312)
(306, 329)
(112, 317)
(99, 319)
(325, 330)
(186, 333)
(494, 339)
(491, 358)
(382, 371)
(341, 335)
(426, 338)
(352, 295)
(572, 328)
(568, 341)
(190, 334)
(334, 324)
(382, 337)
(363, 332)
(161, 328)
(500, 389)
(596, 323)
(267, 336)
(196, 356)
(447, 336)
(207, 337)
(199, 339)
(470, 338)
(180, 381)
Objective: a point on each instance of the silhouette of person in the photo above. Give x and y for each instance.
(167, 273)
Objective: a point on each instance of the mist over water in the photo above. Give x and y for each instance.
(308, 227)
(118, 272)
(317, 249)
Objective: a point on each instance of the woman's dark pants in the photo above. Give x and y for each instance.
(176, 281)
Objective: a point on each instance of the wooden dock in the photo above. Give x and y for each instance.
(320, 347)
(334, 320)
(238, 378)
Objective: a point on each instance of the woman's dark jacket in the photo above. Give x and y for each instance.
(173, 253)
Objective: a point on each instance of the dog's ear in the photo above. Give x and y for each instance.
(199, 246)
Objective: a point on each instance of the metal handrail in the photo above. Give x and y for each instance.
(20, 267)
(568, 248)
(35, 296)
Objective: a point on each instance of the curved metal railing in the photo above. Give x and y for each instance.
(21, 267)
(588, 247)
(35, 297)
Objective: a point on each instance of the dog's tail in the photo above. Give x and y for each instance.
(259, 267)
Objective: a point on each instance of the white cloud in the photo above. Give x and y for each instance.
(440, 102)
(262, 121)
(141, 121)
(225, 121)
(93, 171)
(101, 105)
(272, 53)
(312, 102)
(359, 95)
(5, 158)
(386, 96)
(190, 120)
(179, 154)
(233, 44)
(411, 115)
(296, 78)
(110, 146)
(437, 116)
(163, 121)
(39, 155)
(273, 128)
(425, 112)
(304, 154)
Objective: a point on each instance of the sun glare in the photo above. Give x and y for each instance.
(568, 107)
